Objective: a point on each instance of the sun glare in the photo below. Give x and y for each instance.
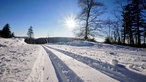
(70, 22)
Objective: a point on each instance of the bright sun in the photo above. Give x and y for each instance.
(70, 22)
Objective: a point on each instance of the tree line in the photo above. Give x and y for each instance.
(130, 28)
(6, 33)
(134, 23)
(127, 28)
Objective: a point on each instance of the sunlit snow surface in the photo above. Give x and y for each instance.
(21, 62)
(131, 61)
(80, 61)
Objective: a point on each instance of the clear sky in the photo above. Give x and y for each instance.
(47, 17)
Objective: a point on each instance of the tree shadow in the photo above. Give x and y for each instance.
(131, 74)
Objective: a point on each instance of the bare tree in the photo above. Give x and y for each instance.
(88, 17)
(108, 23)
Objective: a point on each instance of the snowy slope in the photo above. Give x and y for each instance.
(21, 62)
(131, 61)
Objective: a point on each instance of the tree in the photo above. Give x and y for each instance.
(144, 4)
(144, 25)
(108, 23)
(6, 33)
(144, 33)
(138, 20)
(116, 31)
(0, 33)
(30, 32)
(12, 35)
(112, 29)
(119, 34)
(90, 10)
(127, 24)
(133, 22)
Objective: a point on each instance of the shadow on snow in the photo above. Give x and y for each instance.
(118, 72)
(63, 72)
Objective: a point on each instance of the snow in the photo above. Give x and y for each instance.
(21, 62)
(86, 73)
(133, 58)
(77, 43)
(130, 64)
(77, 61)
(49, 71)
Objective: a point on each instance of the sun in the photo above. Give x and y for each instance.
(70, 22)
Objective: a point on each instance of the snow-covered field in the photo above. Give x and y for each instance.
(21, 62)
(121, 63)
(77, 61)
(132, 58)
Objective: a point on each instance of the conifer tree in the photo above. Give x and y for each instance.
(6, 33)
(133, 21)
(30, 32)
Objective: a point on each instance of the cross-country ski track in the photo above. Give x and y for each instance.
(91, 70)
(83, 71)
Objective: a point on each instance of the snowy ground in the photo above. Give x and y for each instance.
(95, 62)
(21, 62)
(81, 70)
(78, 61)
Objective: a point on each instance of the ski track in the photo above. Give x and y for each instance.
(64, 73)
(118, 72)
(85, 72)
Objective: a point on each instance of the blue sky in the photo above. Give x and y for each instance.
(45, 16)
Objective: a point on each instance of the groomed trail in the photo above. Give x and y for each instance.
(68, 69)
(85, 65)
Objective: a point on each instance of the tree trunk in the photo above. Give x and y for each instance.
(87, 21)
(144, 39)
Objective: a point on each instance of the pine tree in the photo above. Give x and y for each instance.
(144, 33)
(30, 32)
(127, 24)
(6, 33)
(133, 21)
(137, 20)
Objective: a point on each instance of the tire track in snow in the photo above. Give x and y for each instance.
(121, 74)
(64, 73)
